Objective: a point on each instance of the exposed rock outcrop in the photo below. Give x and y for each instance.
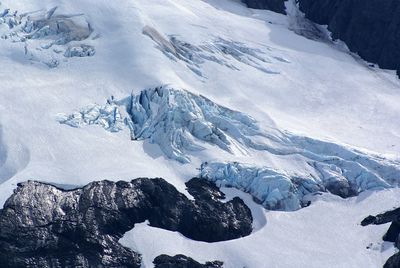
(181, 261)
(44, 226)
(370, 28)
(392, 235)
(273, 5)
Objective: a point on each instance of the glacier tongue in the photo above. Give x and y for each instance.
(173, 119)
(279, 190)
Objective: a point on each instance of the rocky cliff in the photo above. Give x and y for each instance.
(370, 28)
(273, 5)
(392, 234)
(44, 226)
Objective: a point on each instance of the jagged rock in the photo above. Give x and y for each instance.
(370, 28)
(181, 261)
(388, 216)
(273, 5)
(392, 235)
(393, 261)
(44, 226)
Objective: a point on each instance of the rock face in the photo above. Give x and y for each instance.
(370, 28)
(181, 261)
(392, 235)
(44, 226)
(273, 5)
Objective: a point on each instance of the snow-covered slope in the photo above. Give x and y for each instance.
(249, 63)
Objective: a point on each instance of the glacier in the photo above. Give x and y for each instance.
(174, 119)
(108, 116)
(321, 94)
(280, 190)
(179, 121)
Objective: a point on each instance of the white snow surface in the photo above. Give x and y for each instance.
(282, 80)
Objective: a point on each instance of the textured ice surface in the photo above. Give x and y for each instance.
(179, 121)
(46, 36)
(221, 51)
(107, 116)
(79, 51)
(173, 119)
(279, 190)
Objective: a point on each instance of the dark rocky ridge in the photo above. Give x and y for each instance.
(181, 261)
(392, 235)
(273, 5)
(44, 226)
(370, 28)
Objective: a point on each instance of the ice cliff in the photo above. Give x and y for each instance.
(280, 190)
(177, 120)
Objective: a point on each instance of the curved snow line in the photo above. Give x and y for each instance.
(12, 158)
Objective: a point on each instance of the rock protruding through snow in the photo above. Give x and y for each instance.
(181, 261)
(392, 234)
(45, 226)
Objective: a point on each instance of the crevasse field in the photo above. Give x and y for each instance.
(274, 100)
